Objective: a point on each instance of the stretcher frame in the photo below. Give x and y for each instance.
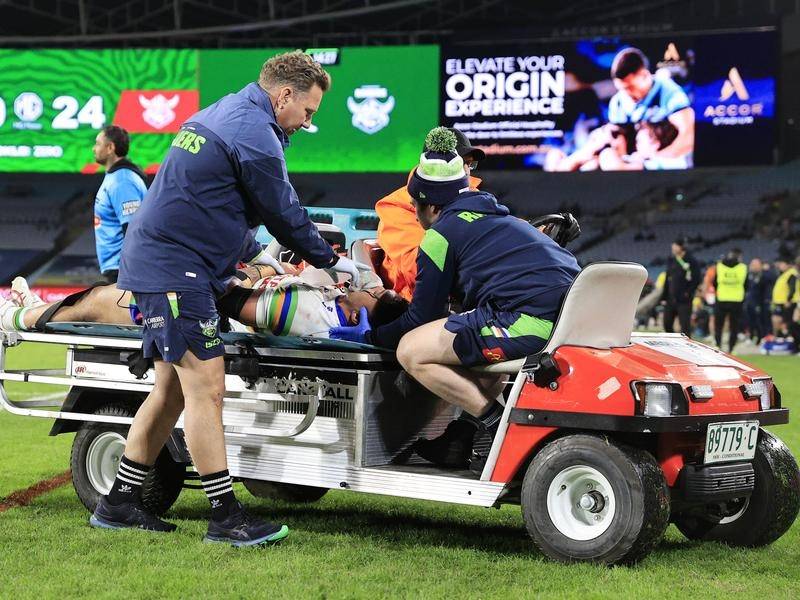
(309, 449)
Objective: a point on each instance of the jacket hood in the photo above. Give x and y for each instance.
(124, 163)
(479, 202)
(730, 262)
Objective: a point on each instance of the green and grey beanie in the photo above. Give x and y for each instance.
(440, 176)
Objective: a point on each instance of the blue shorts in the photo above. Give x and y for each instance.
(484, 335)
(177, 321)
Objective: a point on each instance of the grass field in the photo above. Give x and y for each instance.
(347, 545)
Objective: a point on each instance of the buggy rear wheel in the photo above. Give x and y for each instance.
(96, 452)
(763, 517)
(586, 498)
(288, 492)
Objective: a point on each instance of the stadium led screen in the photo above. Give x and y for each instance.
(54, 102)
(374, 118)
(666, 102)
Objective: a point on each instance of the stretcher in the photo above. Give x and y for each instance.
(607, 436)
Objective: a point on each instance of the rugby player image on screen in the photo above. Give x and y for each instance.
(650, 124)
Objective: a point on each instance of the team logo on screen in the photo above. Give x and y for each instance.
(155, 111)
(158, 110)
(370, 106)
(28, 107)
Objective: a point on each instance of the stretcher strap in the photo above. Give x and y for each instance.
(70, 300)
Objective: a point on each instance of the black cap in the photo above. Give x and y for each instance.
(464, 147)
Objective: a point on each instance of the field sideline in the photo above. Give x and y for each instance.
(346, 545)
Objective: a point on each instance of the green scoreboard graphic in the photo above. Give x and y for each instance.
(54, 102)
(374, 118)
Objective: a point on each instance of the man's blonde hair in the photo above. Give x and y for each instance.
(295, 69)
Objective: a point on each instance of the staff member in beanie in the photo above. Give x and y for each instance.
(399, 232)
(509, 277)
(224, 174)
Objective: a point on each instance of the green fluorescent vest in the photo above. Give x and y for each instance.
(730, 282)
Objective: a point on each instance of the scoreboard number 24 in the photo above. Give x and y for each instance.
(70, 115)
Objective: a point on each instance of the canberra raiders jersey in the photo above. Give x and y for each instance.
(292, 306)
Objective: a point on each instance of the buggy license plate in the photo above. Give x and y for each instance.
(731, 441)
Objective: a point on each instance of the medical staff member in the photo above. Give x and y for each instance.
(224, 174)
(509, 277)
(399, 232)
(119, 197)
(731, 286)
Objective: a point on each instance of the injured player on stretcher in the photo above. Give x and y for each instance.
(306, 304)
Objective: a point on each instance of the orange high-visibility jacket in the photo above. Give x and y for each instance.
(399, 234)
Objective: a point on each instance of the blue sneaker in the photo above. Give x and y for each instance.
(242, 529)
(128, 515)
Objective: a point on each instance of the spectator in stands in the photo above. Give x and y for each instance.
(784, 296)
(757, 281)
(683, 277)
(731, 283)
(118, 198)
(399, 233)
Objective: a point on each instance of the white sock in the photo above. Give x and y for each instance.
(11, 319)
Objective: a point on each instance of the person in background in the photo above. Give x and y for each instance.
(753, 302)
(783, 292)
(119, 197)
(768, 277)
(731, 284)
(683, 277)
(399, 232)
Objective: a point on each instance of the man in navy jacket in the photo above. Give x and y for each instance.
(224, 174)
(509, 278)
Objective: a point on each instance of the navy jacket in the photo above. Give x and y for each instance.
(482, 256)
(224, 173)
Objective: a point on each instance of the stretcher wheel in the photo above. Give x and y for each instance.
(763, 517)
(587, 498)
(288, 492)
(96, 452)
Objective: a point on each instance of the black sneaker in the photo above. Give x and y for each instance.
(128, 515)
(241, 528)
(452, 449)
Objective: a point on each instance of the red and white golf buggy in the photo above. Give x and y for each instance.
(607, 436)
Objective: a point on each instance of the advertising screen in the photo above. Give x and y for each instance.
(666, 102)
(374, 118)
(54, 102)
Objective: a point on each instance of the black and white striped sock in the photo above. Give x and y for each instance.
(219, 489)
(127, 486)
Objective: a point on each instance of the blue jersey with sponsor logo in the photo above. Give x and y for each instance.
(224, 173)
(481, 255)
(664, 98)
(118, 198)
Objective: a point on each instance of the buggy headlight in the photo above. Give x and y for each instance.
(763, 389)
(659, 399)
